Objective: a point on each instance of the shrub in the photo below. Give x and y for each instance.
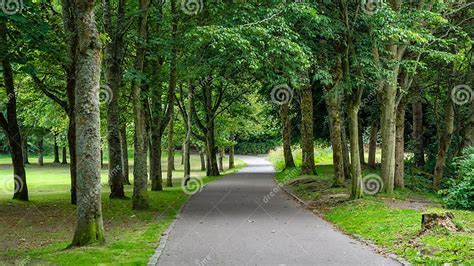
(460, 194)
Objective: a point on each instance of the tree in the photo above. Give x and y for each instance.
(89, 227)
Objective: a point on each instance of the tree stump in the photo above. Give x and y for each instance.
(431, 220)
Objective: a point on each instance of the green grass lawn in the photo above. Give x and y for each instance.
(390, 221)
(38, 231)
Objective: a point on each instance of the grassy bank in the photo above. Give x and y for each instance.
(392, 222)
(38, 231)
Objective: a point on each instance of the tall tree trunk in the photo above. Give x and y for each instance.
(89, 227)
(400, 146)
(70, 69)
(170, 168)
(56, 150)
(357, 187)
(333, 107)
(41, 150)
(443, 145)
(388, 127)
(221, 159)
(345, 153)
(307, 146)
(140, 175)
(231, 156)
(374, 129)
(113, 78)
(26, 158)
(418, 133)
(361, 143)
(10, 124)
(285, 122)
(203, 160)
(187, 140)
(125, 163)
(64, 160)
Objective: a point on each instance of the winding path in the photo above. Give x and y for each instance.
(237, 220)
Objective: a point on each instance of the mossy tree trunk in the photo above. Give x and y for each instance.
(400, 146)
(285, 123)
(89, 227)
(333, 103)
(307, 146)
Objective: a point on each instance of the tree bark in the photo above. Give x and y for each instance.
(418, 133)
(64, 160)
(231, 156)
(307, 145)
(357, 188)
(374, 129)
(400, 146)
(56, 150)
(187, 140)
(221, 159)
(333, 106)
(10, 124)
(113, 78)
(443, 145)
(361, 143)
(170, 168)
(25, 150)
(125, 163)
(140, 175)
(89, 227)
(285, 122)
(203, 160)
(345, 153)
(41, 150)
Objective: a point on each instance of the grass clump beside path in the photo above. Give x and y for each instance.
(37, 232)
(392, 222)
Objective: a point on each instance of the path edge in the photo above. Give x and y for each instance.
(362, 240)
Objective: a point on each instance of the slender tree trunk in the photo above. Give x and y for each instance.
(333, 107)
(70, 69)
(231, 156)
(113, 78)
(56, 150)
(41, 150)
(443, 145)
(89, 227)
(64, 160)
(169, 174)
(285, 122)
(203, 160)
(125, 163)
(10, 124)
(101, 158)
(345, 153)
(182, 153)
(187, 140)
(221, 159)
(357, 188)
(307, 146)
(400, 146)
(361, 143)
(374, 129)
(418, 133)
(140, 175)
(25, 150)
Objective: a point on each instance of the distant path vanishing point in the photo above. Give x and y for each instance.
(237, 220)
